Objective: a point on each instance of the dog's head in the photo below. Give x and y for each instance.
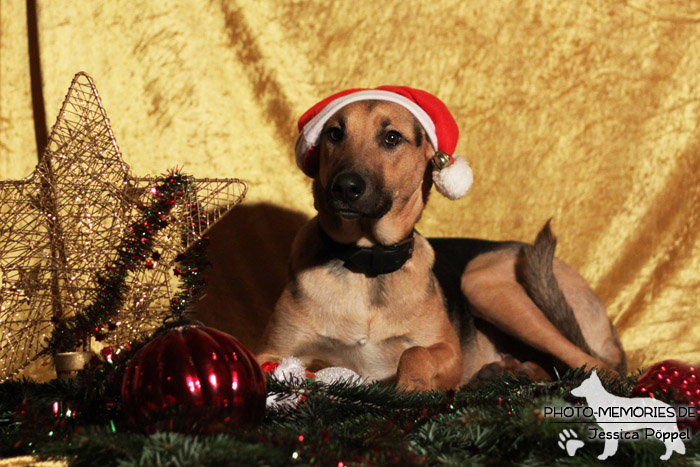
(373, 158)
(371, 163)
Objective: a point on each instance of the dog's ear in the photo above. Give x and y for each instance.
(308, 163)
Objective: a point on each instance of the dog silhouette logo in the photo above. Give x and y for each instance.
(622, 417)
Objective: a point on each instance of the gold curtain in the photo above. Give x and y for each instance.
(585, 111)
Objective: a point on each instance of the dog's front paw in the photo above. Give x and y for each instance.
(413, 383)
(510, 365)
(415, 371)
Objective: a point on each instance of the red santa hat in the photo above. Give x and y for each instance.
(452, 175)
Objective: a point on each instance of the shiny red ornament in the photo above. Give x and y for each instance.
(206, 377)
(677, 383)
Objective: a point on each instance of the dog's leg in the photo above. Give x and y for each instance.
(436, 367)
(510, 364)
(492, 288)
(286, 335)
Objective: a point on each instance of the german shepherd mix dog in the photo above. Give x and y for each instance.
(369, 293)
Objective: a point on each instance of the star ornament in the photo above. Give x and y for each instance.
(60, 229)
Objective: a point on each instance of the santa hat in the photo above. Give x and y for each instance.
(452, 175)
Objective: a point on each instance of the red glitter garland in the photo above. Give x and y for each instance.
(675, 382)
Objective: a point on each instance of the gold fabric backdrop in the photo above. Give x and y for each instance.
(585, 111)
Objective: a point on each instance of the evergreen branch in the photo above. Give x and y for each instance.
(500, 422)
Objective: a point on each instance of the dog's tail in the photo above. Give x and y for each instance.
(535, 270)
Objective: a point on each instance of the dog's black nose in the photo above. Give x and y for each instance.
(348, 187)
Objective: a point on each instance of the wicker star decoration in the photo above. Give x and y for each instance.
(60, 227)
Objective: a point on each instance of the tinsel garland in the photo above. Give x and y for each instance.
(497, 423)
(137, 247)
(190, 264)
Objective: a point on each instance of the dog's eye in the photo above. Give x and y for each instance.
(392, 138)
(335, 134)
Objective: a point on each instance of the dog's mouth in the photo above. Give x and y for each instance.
(374, 211)
(349, 214)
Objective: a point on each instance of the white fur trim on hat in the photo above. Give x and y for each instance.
(454, 181)
(311, 132)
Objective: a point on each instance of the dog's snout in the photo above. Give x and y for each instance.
(348, 187)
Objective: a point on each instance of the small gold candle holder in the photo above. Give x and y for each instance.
(68, 364)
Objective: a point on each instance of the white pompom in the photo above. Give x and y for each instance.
(454, 181)
(292, 369)
(336, 374)
(289, 369)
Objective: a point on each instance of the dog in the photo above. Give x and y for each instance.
(616, 415)
(367, 292)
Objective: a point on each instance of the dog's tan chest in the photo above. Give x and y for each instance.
(354, 322)
(331, 315)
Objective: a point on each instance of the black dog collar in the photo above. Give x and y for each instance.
(374, 260)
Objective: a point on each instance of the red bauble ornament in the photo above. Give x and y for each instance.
(204, 376)
(675, 382)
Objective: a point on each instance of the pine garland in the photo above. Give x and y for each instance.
(500, 422)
